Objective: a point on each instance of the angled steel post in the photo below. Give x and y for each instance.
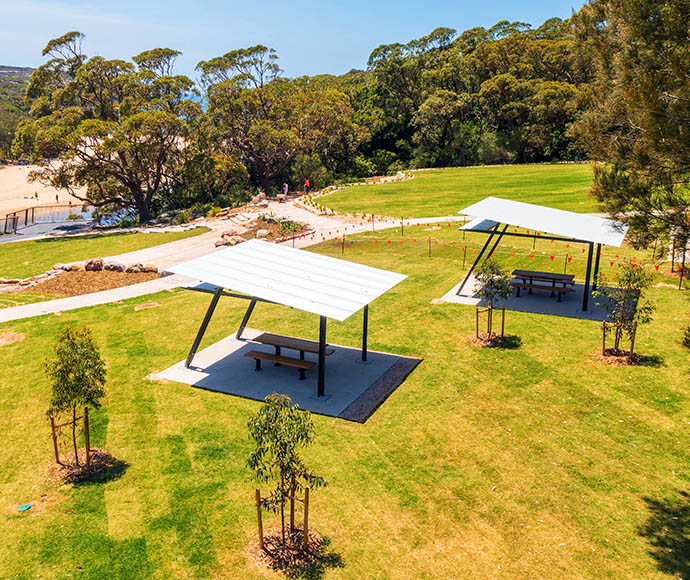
(204, 325)
(321, 387)
(479, 257)
(245, 320)
(585, 296)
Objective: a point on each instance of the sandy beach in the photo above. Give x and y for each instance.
(17, 193)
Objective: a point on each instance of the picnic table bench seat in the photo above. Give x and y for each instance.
(557, 284)
(300, 364)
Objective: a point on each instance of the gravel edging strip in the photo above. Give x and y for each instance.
(364, 406)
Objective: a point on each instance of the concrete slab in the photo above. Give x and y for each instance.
(353, 389)
(539, 302)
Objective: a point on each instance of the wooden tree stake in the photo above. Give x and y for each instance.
(603, 338)
(292, 505)
(305, 539)
(476, 333)
(55, 443)
(632, 341)
(503, 321)
(257, 496)
(87, 438)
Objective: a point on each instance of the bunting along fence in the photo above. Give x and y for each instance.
(407, 237)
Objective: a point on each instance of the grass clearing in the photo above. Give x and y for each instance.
(442, 192)
(538, 462)
(24, 259)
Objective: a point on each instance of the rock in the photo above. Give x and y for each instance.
(134, 268)
(149, 268)
(258, 198)
(114, 267)
(95, 265)
(229, 233)
(229, 241)
(262, 233)
(60, 266)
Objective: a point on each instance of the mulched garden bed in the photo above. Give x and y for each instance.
(83, 282)
(291, 559)
(618, 357)
(70, 472)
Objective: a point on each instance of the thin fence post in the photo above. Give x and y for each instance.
(682, 267)
(673, 254)
(603, 338)
(464, 253)
(430, 246)
(55, 444)
(305, 539)
(87, 438)
(257, 497)
(402, 226)
(343, 246)
(565, 264)
(632, 341)
(476, 332)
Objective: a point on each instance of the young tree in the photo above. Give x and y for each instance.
(77, 374)
(279, 430)
(120, 129)
(626, 304)
(494, 283)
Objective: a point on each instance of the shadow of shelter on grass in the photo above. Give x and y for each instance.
(668, 531)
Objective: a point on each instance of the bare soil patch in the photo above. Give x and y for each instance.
(103, 467)
(83, 282)
(620, 357)
(10, 338)
(291, 558)
(494, 340)
(146, 306)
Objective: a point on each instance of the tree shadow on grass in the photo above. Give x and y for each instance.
(323, 560)
(668, 531)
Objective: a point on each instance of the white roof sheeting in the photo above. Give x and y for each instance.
(311, 282)
(557, 222)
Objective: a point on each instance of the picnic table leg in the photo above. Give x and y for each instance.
(301, 355)
(277, 354)
(531, 282)
(553, 286)
(258, 365)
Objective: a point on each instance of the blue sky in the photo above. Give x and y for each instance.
(310, 36)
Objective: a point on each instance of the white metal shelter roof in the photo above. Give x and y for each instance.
(557, 222)
(311, 282)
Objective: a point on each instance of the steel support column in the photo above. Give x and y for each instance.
(595, 278)
(245, 320)
(585, 294)
(204, 325)
(365, 331)
(321, 387)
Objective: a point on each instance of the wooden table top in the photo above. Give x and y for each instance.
(543, 275)
(301, 344)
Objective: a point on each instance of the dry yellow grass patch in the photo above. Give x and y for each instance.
(10, 338)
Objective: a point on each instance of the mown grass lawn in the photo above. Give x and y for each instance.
(442, 192)
(23, 259)
(538, 462)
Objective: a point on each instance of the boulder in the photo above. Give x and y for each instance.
(134, 268)
(229, 241)
(60, 266)
(262, 233)
(95, 265)
(258, 198)
(114, 267)
(229, 233)
(150, 268)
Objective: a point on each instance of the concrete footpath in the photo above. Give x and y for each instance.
(166, 255)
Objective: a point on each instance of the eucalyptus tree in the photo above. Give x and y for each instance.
(120, 129)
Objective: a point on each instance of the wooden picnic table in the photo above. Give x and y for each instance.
(279, 341)
(554, 282)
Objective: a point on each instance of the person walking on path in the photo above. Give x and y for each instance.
(285, 188)
(307, 186)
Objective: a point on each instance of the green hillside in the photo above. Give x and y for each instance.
(13, 83)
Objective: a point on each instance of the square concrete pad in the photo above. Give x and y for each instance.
(353, 389)
(540, 302)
